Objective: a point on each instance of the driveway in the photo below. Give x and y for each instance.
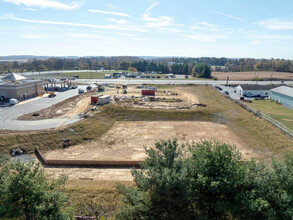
(9, 115)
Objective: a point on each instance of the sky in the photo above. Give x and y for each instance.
(189, 28)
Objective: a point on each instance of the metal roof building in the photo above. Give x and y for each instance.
(13, 77)
(283, 95)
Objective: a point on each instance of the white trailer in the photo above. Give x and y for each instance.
(104, 99)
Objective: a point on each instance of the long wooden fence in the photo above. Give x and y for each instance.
(114, 163)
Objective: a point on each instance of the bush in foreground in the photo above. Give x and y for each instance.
(207, 180)
(25, 192)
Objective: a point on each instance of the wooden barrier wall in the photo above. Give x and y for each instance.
(87, 162)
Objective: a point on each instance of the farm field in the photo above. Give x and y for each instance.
(277, 111)
(263, 75)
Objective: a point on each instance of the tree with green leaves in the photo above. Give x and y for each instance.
(161, 191)
(202, 70)
(207, 180)
(25, 192)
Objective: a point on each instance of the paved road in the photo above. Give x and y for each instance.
(174, 81)
(8, 115)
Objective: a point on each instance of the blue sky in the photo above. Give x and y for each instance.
(195, 28)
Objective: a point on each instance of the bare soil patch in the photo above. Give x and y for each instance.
(264, 75)
(126, 141)
(169, 99)
(67, 108)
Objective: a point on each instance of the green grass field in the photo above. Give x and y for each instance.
(277, 111)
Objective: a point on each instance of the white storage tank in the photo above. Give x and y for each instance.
(104, 99)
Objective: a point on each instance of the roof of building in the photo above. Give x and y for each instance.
(13, 77)
(284, 90)
(258, 87)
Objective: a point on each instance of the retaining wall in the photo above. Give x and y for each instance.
(86, 162)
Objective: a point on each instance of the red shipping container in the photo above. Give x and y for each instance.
(148, 92)
(94, 99)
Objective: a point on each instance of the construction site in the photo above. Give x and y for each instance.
(115, 123)
(122, 146)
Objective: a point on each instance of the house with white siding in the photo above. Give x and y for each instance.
(254, 90)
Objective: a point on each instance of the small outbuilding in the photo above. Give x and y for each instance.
(283, 95)
(254, 90)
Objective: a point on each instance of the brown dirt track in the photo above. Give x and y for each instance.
(264, 75)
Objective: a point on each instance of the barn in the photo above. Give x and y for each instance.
(283, 95)
(254, 90)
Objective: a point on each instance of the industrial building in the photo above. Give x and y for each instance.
(283, 95)
(254, 90)
(18, 87)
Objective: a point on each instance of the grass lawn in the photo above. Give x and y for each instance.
(277, 111)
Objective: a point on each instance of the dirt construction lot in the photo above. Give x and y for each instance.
(126, 139)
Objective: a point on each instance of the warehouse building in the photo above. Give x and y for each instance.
(283, 95)
(18, 87)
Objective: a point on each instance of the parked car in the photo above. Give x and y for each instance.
(13, 101)
(74, 87)
(89, 88)
(80, 91)
(226, 92)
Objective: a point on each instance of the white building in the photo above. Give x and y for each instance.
(254, 90)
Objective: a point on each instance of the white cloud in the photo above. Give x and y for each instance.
(30, 9)
(152, 22)
(109, 27)
(109, 12)
(204, 26)
(125, 34)
(276, 24)
(116, 21)
(30, 36)
(228, 16)
(45, 4)
(152, 6)
(271, 37)
(206, 38)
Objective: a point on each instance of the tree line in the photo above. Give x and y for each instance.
(156, 64)
(206, 180)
